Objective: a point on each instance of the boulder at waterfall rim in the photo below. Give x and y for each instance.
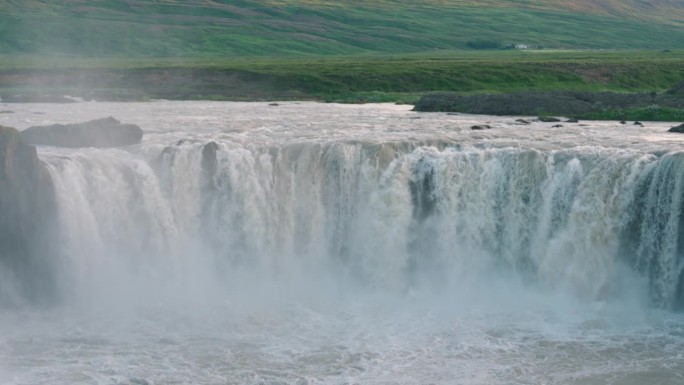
(678, 129)
(105, 132)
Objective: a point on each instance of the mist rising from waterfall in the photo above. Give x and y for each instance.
(394, 216)
(311, 243)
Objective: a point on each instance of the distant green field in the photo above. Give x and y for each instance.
(346, 50)
(358, 78)
(196, 28)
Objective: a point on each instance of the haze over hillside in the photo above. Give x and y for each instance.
(281, 27)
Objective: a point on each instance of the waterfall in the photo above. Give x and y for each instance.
(387, 215)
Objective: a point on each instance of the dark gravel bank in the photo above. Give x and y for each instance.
(567, 103)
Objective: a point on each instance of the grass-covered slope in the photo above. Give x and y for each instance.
(291, 27)
(379, 77)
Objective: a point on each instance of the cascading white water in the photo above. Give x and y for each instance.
(383, 213)
(357, 244)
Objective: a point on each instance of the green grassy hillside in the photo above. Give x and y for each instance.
(366, 78)
(289, 27)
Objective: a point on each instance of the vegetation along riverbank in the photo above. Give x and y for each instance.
(473, 81)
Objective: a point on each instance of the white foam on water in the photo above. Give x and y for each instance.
(339, 244)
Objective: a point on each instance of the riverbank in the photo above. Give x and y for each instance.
(360, 78)
(664, 106)
(471, 76)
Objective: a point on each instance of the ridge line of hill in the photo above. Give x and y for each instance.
(305, 27)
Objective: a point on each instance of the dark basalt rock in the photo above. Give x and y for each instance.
(678, 129)
(559, 103)
(572, 120)
(480, 127)
(27, 215)
(638, 123)
(422, 186)
(209, 160)
(548, 119)
(106, 132)
(522, 121)
(209, 166)
(557, 126)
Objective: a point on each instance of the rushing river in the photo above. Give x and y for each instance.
(304, 243)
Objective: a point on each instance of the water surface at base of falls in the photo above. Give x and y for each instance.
(306, 243)
(360, 341)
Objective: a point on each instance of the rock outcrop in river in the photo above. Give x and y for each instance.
(27, 213)
(678, 129)
(105, 132)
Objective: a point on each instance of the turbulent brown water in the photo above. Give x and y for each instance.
(342, 244)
